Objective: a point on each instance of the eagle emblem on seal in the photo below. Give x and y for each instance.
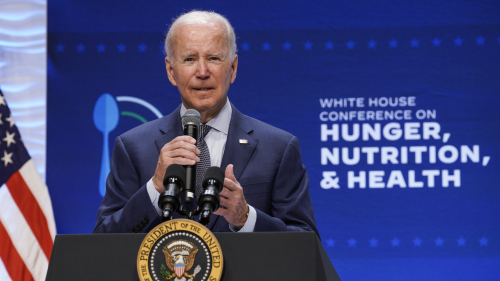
(180, 255)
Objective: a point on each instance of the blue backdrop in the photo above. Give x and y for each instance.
(395, 104)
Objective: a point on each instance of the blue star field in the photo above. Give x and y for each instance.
(416, 242)
(307, 45)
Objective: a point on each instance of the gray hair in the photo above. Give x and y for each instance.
(196, 17)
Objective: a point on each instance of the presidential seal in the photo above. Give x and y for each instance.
(180, 250)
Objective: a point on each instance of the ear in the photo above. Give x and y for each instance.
(234, 68)
(170, 72)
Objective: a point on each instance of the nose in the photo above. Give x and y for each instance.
(202, 69)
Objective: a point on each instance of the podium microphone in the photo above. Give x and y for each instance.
(190, 120)
(173, 182)
(209, 200)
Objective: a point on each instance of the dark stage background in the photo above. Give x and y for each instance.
(395, 104)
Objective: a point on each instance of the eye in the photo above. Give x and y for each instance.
(214, 58)
(189, 59)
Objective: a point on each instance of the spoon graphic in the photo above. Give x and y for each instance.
(106, 116)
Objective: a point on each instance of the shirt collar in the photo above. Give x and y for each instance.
(221, 121)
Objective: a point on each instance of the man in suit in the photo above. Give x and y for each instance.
(265, 185)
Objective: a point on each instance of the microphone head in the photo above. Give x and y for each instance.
(175, 171)
(215, 173)
(192, 116)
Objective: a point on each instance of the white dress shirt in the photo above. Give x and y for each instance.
(216, 141)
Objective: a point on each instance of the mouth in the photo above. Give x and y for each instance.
(203, 89)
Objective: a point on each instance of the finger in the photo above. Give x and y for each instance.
(181, 145)
(183, 161)
(229, 173)
(183, 153)
(228, 201)
(223, 200)
(184, 138)
(231, 185)
(225, 193)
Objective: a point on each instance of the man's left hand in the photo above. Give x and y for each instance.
(233, 206)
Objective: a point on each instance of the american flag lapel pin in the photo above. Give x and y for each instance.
(244, 141)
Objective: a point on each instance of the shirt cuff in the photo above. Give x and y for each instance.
(249, 224)
(153, 195)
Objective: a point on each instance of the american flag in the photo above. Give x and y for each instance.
(27, 226)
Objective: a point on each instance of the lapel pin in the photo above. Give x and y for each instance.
(243, 141)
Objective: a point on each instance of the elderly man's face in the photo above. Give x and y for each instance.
(202, 68)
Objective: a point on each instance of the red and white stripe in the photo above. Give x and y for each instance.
(179, 270)
(27, 226)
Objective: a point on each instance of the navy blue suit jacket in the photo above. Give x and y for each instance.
(269, 168)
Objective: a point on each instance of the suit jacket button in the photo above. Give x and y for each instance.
(134, 230)
(146, 219)
(141, 225)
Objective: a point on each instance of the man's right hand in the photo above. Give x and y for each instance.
(182, 150)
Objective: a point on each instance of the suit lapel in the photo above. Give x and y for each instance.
(171, 128)
(237, 152)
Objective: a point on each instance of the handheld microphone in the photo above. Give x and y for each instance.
(173, 182)
(190, 120)
(209, 200)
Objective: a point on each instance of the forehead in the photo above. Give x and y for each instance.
(200, 38)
